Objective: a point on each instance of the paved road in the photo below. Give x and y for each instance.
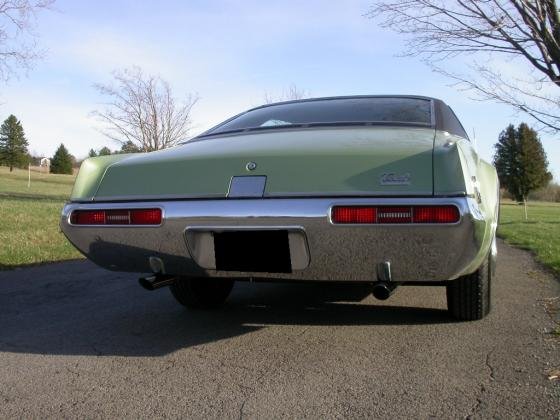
(78, 341)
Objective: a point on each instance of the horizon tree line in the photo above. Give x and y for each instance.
(14, 151)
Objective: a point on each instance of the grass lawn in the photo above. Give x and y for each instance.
(29, 231)
(540, 233)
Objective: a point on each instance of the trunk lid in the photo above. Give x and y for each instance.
(346, 161)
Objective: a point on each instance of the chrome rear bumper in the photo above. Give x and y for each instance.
(319, 249)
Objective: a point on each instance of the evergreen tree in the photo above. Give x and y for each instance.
(129, 147)
(521, 162)
(74, 161)
(13, 144)
(92, 153)
(105, 151)
(61, 162)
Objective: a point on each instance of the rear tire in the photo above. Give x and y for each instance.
(469, 297)
(201, 293)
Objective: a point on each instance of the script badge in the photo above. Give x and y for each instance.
(394, 179)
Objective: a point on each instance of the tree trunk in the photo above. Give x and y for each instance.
(525, 207)
(11, 168)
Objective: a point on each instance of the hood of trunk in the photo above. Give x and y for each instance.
(340, 161)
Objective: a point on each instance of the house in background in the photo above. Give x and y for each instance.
(46, 163)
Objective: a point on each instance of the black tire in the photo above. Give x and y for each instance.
(201, 293)
(469, 297)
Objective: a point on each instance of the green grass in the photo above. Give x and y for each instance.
(29, 232)
(43, 185)
(540, 233)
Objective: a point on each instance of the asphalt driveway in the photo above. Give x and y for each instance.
(79, 341)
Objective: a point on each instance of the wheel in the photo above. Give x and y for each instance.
(468, 297)
(201, 293)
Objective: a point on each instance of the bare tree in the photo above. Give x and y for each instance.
(292, 93)
(18, 47)
(143, 110)
(523, 32)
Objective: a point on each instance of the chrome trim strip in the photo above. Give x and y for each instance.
(494, 229)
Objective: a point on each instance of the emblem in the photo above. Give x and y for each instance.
(394, 179)
(251, 166)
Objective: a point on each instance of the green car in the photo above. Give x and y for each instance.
(382, 190)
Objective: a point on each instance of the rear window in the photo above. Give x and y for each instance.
(451, 123)
(340, 111)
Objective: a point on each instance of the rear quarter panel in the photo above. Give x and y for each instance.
(91, 172)
(482, 179)
(458, 169)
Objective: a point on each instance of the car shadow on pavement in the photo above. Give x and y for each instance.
(116, 317)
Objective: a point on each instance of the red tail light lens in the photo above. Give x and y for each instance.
(354, 214)
(88, 217)
(394, 214)
(436, 214)
(116, 217)
(145, 217)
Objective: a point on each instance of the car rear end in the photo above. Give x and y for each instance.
(269, 196)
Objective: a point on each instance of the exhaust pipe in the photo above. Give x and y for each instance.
(156, 281)
(384, 287)
(382, 290)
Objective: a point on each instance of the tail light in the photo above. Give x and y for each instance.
(436, 214)
(145, 217)
(354, 214)
(394, 214)
(141, 217)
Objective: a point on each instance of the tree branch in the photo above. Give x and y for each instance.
(141, 109)
(527, 31)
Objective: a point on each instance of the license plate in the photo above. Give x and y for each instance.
(262, 251)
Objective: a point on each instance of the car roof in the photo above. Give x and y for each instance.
(328, 98)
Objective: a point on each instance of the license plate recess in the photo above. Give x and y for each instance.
(248, 249)
(259, 251)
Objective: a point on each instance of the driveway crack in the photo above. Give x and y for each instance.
(242, 407)
(491, 375)
(489, 366)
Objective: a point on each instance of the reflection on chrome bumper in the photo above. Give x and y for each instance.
(319, 250)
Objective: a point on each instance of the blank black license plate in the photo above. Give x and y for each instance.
(262, 251)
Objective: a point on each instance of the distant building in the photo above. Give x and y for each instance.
(45, 163)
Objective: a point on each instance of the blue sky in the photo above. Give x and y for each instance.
(229, 53)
